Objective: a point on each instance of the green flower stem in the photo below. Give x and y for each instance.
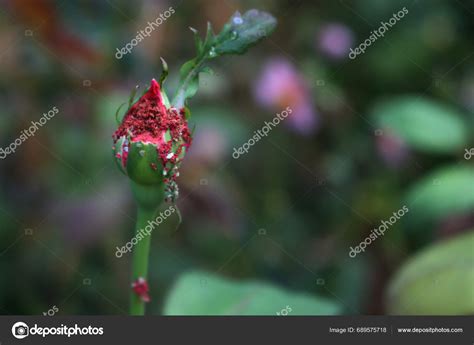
(140, 260)
(148, 199)
(180, 97)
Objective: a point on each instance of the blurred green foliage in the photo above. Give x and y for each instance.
(199, 293)
(423, 125)
(437, 281)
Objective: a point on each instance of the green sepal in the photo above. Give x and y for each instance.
(187, 112)
(131, 99)
(141, 159)
(117, 114)
(164, 73)
(165, 99)
(119, 150)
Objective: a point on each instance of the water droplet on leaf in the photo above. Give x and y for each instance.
(212, 52)
(234, 35)
(237, 18)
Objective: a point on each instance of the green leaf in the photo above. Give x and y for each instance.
(422, 124)
(189, 75)
(187, 68)
(197, 41)
(437, 281)
(200, 293)
(242, 32)
(193, 86)
(445, 192)
(210, 38)
(236, 37)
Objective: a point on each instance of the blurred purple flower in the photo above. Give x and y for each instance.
(280, 85)
(392, 150)
(85, 220)
(335, 40)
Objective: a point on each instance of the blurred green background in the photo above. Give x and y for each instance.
(271, 230)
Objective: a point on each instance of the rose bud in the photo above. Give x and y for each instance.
(151, 142)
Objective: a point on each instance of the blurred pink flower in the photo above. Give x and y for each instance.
(280, 85)
(335, 40)
(210, 145)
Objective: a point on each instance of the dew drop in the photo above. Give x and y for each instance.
(212, 52)
(237, 18)
(141, 153)
(234, 35)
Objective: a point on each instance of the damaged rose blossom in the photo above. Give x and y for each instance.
(152, 140)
